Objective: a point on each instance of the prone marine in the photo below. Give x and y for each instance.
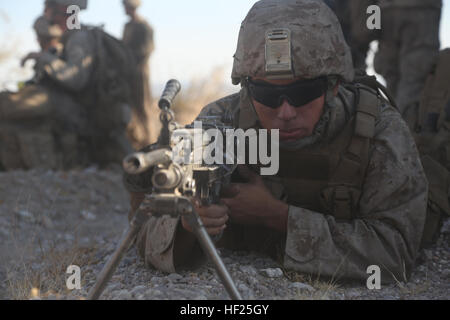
(351, 191)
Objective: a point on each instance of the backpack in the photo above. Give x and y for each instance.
(114, 74)
(111, 83)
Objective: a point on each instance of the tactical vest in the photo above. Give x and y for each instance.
(328, 177)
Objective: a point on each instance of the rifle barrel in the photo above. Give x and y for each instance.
(140, 162)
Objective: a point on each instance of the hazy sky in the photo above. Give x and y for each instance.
(192, 37)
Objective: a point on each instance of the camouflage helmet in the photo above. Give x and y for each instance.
(45, 29)
(291, 38)
(132, 3)
(82, 4)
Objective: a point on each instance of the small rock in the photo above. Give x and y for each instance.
(421, 268)
(428, 254)
(249, 270)
(123, 295)
(264, 290)
(156, 280)
(174, 277)
(272, 273)
(302, 286)
(25, 214)
(446, 274)
(4, 232)
(227, 260)
(69, 237)
(152, 293)
(140, 297)
(92, 169)
(446, 227)
(138, 290)
(47, 222)
(352, 294)
(245, 291)
(87, 215)
(252, 281)
(112, 287)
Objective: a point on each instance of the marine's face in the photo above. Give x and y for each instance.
(294, 122)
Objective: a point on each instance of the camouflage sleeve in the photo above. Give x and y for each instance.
(388, 229)
(74, 71)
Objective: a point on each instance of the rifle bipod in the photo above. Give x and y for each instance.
(172, 205)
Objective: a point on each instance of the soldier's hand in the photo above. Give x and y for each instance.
(30, 56)
(252, 203)
(214, 218)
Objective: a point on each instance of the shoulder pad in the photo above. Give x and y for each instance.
(367, 111)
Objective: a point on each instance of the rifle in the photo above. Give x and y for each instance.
(176, 181)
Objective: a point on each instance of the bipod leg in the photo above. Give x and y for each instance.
(210, 250)
(108, 270)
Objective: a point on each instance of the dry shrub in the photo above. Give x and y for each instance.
(27, 281)
(322, 287)
(191, 100)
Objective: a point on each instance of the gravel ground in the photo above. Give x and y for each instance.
(50, 220)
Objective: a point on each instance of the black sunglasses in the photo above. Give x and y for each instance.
(297, 94)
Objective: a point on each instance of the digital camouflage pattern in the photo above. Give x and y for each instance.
(316, 36)
(408, 48)
(340, 220)
(385, 229)
(353, 18)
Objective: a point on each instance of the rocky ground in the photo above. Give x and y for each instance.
(51, 220)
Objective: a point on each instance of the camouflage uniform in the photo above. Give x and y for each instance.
(80, 124)
(408, 47)
(138, 37)
(357, 195)
(49, 37)
(33, 133)
(348, 12)
(52, 104)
